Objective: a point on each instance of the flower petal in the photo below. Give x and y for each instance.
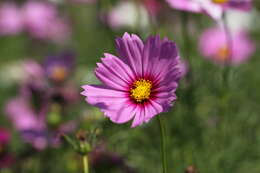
(152, 109)
(160, 58)
(165, 99)
(114, 73)
(102, 96)
(130, 50)
(121, 113)
(115, 104)
(139, 116)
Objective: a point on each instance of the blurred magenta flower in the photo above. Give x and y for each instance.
(213, 8)
(4, 137)
(153, 6)
(138, 85)
(213, 45)
(42, 21)
(6, 158)
(11, 20)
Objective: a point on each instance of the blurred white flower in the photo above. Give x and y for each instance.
(128, 14)
(238, 21)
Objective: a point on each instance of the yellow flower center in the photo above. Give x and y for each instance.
(141, 90)
(59, 73)
(220, 1)
(223, 53)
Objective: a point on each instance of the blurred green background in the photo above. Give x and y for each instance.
(214, 124)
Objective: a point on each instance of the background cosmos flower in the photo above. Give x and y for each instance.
(213, 45)
(11, 21)
(213, 8)
(138, 85)
(37, 112)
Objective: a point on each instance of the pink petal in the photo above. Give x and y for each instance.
(115, 104)
(151, 54)
(114, 73)
(121, 113)
(130, 50)
(139, 116)
(187, 5)
(145, 112)
(213, 10)
(160, 59)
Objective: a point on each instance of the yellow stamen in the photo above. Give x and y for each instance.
(223, 53)
(220, 1)
(59, 73)
(141, 90)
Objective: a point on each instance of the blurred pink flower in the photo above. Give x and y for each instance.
(11, 20)
(213, 8)
(59, 31)
(213, 45)
(138, 85)
(22, 115)
(42, 21)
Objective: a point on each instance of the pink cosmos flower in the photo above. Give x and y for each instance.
(138, 85)
(43, 22)
(213, 8)
(213, 45)
(11, 21)
(38, 17)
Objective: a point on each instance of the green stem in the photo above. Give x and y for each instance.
(163, 146)
(85, 163)
(229, 42)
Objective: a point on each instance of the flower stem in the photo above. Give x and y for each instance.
(85, 163)
(229, 43)
(163, 146)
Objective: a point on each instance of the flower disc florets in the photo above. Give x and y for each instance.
(141, 90)
(220, 1)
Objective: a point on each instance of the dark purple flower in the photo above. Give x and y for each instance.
(59, 67)
(101, 158)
